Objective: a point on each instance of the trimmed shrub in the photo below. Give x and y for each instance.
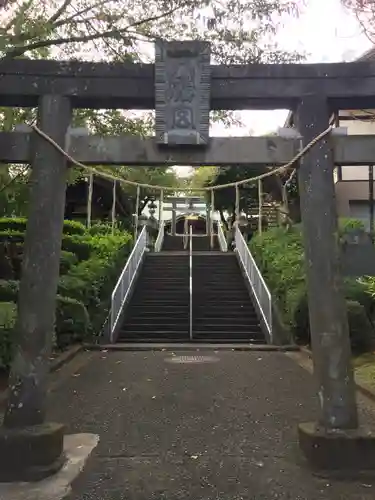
(93, 280)
(347, 224)
(72, 325)
(85, 280)
(84, 291)
(100, 228)
(74, 227)
(361, 330)
(77, 288)
(13, 236)
(67, 261)
(72, 322)
(13, 224)
(9, 290)
(279, 254)
(81, 246)
(19, 224)
(6, 268)
(8, 314)
(109, 245)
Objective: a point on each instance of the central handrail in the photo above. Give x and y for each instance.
(191, 283)
(185, 236)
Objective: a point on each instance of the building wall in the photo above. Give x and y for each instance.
(352, 190)
(348, 192)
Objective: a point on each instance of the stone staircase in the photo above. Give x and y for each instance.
(222, 308)
(159, 308)
(223, 311)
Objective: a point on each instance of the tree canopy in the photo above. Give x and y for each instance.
(364, 11)
(240, 31)
(225, 199)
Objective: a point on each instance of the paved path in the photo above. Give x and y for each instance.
(219, 430)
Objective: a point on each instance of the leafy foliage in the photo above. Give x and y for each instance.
(91, 281)
(280, 257)
(239, 30)
(19, 224)
(225, 199)
(87, 279)
(72, 322)
(8, 313)
(364, 11)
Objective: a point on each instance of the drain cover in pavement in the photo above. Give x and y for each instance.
(192, 359)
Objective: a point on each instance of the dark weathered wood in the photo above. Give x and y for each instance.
(327, 310)
(15, 147)
(40, 272)
(100, 85)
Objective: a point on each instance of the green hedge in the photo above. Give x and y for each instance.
(19, 224)
(100, 229)
(84, 292)
(9, 290)
(72, 322)
(280, 256)
(81, 246)
(67, 260)
(92, 281)
(8, 312)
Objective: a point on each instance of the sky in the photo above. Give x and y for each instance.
(327, 33)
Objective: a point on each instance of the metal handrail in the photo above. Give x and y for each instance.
(185, 236)
(260, 290)
(191, 283)
(160, 238)
(125, 282)
(221, 238)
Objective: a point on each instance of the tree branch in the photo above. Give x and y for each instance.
(19, 51)
(71, 18)
(59, 12)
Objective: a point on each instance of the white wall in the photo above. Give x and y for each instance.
(356, 127)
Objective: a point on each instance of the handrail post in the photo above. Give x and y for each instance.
(191, 284)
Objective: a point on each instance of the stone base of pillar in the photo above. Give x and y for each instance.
(31, 453)
(339, 453)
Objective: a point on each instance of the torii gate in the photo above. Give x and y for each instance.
(182, 87)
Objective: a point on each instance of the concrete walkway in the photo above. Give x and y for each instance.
(224, 429)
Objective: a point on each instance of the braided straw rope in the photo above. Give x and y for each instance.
(249, 180)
